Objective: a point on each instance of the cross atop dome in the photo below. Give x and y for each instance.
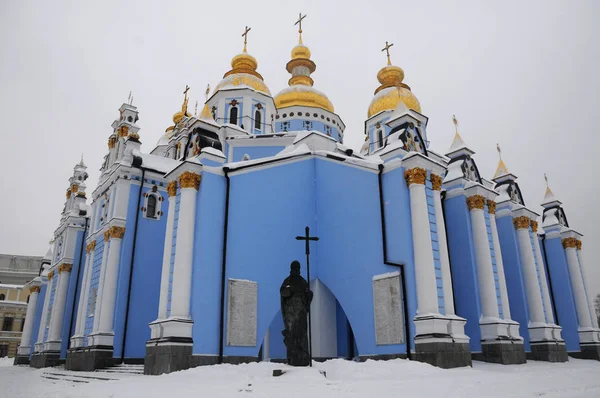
(245, 36)
(549, 198)
(458, 146)
(387, 51)
(299, 23)
(501, 169)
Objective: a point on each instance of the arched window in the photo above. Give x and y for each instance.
(2, 296)
(151, 207)
(257, 120)
(379, 138)
(233, 115)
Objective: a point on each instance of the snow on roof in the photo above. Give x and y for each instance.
(549, 196)
(212, 151)
(454, 172)
(503, 194)
(158, 163)
(386, 275)
(457, 143)
(7, 286)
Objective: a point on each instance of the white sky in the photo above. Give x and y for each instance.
(523, 74)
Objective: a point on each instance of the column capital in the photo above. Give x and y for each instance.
(416, 175)
(111, 142)
(172, 188)
(90, 246)
(569, 243)
(50, 275)
(521, 222)
(475, 202)
(34, 289)
(64, 267)
(436, 182)
(491, 206)
(107, 235)
(116, 232)
(68, 194)
(534, 225)
(579, 244)
(189, 180)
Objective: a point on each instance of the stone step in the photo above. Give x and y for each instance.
(73, 377)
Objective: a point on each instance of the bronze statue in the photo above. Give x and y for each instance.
(295, 305)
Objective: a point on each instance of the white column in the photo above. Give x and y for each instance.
(25, 347)
(182, 270)
(166, 263)
(583, 272)
(485, 270)
(109, 290)
(58, 307)
(423, 251)
(100, 289)
(40, 341)
(78, 338)
(583, 311)
(542, 270)
(436, 182)
(532, 287)
(499, 262)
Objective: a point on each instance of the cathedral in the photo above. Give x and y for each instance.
(177, 258)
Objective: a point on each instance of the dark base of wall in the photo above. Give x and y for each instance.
(89, 359)
(511, 353)
(21, 360)
(443, 354)
(162, 359)
(588, 351)
(381, 357)
(45, 359)
(550, 352)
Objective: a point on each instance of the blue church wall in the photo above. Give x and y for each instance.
(75, 278)
(488, 227)
(94, 282)
(212, 163)
(39, 308)
(255, 152)
(343, 332)
(514, 277)
(277, 349)
(396, 202)
(354, 246)
(53, 284)
(464, 267)
(145, 281)
(267, 210)
(566, 313)
(207, 262)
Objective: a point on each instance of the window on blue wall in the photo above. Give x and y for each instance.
(257, 120)
(151, 208)
(379, 138)
(233, 115)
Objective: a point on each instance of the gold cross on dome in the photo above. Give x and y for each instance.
(187, 88)
(546, 178)
(499, 150)
(299, 22)
(245, 34)
(387, 51)
(207, 92)
(455, 123)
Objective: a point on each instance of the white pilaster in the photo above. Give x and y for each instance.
(587, 333)
(105, 334)
(542, 269)
(100, 289)
(58, 308)
(77, 339)
(155, 327)
(40, 340)
(182, 270)
(499, 262)
(25, 347)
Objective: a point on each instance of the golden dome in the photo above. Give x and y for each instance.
(300, 51)
(302, 95)
(243, 73)
(392, 91)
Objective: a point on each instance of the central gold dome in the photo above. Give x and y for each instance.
(243, 73)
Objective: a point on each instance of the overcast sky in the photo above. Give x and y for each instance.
(525, 74)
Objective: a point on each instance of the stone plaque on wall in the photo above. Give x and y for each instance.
(388, 307)
(242, 303)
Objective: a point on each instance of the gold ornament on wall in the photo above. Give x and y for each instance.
(50, 275)
(123, 131)
(579, 244)
(569, 243)
(416, 175)
(111, 142)
(521, 222)
(491, 206)
(189, 180)
(117, 232)
(68, 193)
(476, 202)
(65, 268)
(34, 289)
(534, 225)
(436, 182)
(172, 188)
(90, 246)
(107, 235)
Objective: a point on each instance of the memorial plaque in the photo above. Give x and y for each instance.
(242, 303)
(387, 304)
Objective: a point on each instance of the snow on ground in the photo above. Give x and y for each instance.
(380, 379)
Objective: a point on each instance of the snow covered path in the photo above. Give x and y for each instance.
(379, 379)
